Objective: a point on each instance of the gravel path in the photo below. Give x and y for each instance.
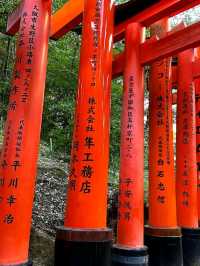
(48, 212)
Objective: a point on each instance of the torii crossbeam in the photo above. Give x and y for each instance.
(70, 15)
(170, 45)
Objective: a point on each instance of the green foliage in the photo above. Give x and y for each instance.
(115, 125)
(7, 54)
(61, 91)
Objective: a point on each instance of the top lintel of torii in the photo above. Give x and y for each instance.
(69, 16)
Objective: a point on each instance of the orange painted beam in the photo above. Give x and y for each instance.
(119, 61)
(168, 46)
(70, 15)
(14, 20)
(146, 17)
(156, 12)
(196, 76)
(66, 18)
(171, 45)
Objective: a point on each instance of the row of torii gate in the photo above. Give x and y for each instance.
(173, 234)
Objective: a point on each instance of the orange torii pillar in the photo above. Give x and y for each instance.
(129, 249)
(186, 175)
(85, 238)
(18, 162)
(162, 236)
(197, 93)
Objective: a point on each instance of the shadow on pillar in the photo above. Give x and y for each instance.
(191, 246)
(83, 247)
(164, 246)
(129, 257)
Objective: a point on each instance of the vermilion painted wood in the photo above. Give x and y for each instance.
(88, 181)
(196, 76)
(197, 94)
(186, 170)
(14, 20)
(18, 161)
(64, 20)
(162, 195)
(168, 46)
(68, 16)
(147, 17)
(119, 62)
(196, 69)
(131, 197)
(154, 13)
(171, 45)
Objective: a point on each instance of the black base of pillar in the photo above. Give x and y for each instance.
(30, 263)
(129, 257)
(26, 264)
(191, 246)
(164, 246)
(83, 247)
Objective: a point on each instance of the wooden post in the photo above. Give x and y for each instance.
(197, 94)
(85, 238)
(162, 236)
(186, 144)
(187, 204)
(130, 237)
(22, 133)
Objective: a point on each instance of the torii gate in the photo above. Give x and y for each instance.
(70, 15)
